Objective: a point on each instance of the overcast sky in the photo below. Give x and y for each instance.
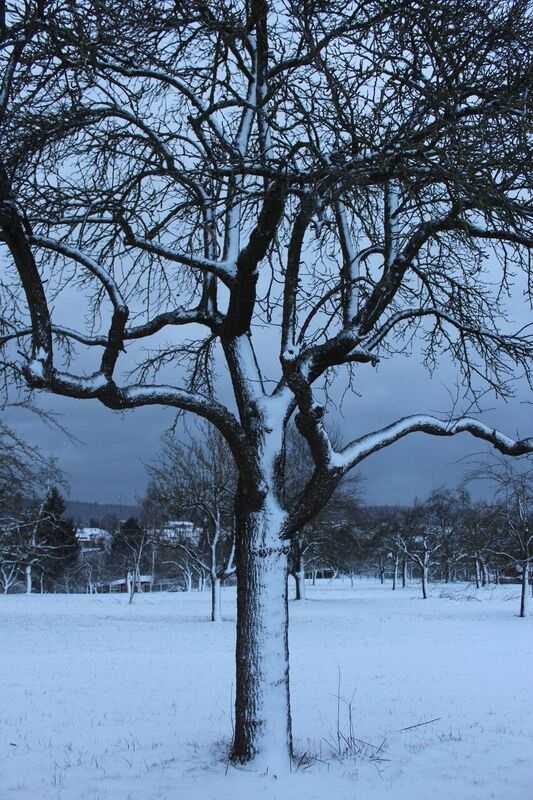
(105, 464)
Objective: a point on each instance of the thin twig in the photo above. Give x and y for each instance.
(419, 724)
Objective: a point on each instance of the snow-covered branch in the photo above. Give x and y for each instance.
(74, 253)
(225, 270)
(366, 445)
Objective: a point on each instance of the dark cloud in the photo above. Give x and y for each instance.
(105, 464)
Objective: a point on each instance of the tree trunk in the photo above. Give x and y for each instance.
(404, 573)
(28, 579)
(299, 578)
(524, 595)
(153, 568)
(216, 605)
(483, 570)
(476, 564)
(425, 582)
(395, 573)
(262, 705)
(297, 567)
(130, 586)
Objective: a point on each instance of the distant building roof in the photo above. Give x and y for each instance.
(123, 581)
(90, 534)
(178, 529)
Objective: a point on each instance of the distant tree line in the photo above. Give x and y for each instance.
(184, 535)
(38, 545)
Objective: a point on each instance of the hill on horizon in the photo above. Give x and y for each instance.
(83, 512)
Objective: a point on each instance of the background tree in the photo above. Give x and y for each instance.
(445, 509)
(26, 478)
(333, 173)
(513, 519)
(325, 540)
(129, 553)
(385, 544)
(57, 536)
(421, 542)
(198, 479)
(16, 481)
(477, 536)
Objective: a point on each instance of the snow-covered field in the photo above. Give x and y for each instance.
(105, 701)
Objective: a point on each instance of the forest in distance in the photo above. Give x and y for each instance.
(182, 534)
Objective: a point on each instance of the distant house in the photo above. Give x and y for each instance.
(177, 529)
(122, 585)
(93, 538)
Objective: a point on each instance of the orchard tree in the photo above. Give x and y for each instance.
(198, 478)
(129, 552)
(58, 535)
(26, 479)
(420, 540)
(294, 190)
(445, 511)
(320, 541)
(477, 535)
(512, 518)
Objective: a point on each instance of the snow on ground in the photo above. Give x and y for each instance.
(105, 701)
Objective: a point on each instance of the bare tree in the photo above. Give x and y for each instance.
(129, 552)
(199, 478)
(26, 480)
(513, 519)
(476, 537)
(421, 542)
(301, 190)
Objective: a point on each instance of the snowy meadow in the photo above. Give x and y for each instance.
(392, 697)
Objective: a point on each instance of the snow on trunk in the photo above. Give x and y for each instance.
(28, 579)
(262, 707)
(299, 577)
(216, 605)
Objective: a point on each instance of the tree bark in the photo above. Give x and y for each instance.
(28, 579)
(477, 572)
(424, 582)
(262, 707)
(524, 595)
(395, 573)
(483, 572)
(216, 605)
(298, 569)
(299, 577)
